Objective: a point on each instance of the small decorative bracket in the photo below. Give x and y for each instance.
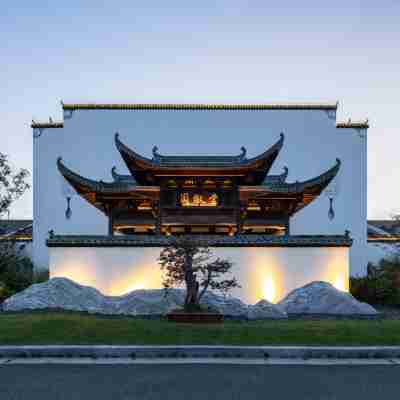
(68, 114)
(331, 114)
(37, 132)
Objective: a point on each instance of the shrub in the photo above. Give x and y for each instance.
(16, 270)
(381, 285)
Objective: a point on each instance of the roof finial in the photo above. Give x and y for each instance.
(243, 153)
(50, 120)
(285, 173)
(156, 155)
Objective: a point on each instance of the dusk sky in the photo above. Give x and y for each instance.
(209, 51)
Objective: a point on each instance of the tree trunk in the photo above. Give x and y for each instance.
(192, 287)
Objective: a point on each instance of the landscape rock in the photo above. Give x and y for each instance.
(59, 293)
(148, 302)
(323, 298)
(265, 310)
(64, 294)
(227, 306)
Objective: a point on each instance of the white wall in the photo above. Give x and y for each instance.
(262, 272)
(312, 143)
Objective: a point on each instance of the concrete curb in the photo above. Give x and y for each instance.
(244, 352)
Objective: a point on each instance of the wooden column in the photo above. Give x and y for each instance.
(287, 227)
(239, 218)
(111, 221)
(158, 217)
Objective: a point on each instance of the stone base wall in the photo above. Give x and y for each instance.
(263, 272)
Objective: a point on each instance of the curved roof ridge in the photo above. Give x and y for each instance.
(122, 148)
(321, 180)
(274, 148)
(159, 160)
(85, 185)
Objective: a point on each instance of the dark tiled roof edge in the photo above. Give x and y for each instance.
(182, 106)
(210, 240)
(353, 124)
(43, 125)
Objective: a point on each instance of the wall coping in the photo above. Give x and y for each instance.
(209, 240)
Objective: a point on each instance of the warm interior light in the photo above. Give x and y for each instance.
(269, 290)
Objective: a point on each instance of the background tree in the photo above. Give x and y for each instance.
(184, 261)
(12, 184)
(16, 270)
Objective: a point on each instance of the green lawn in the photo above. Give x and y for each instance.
(71, 328)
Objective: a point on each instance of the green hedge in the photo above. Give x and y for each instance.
(381, 285)
(16, 270)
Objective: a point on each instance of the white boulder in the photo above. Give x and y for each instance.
(265, 310)
(323, 298)
(58, 293)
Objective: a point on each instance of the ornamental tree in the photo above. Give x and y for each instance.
(186, 262)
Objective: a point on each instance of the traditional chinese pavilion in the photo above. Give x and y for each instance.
(281, 227)
(176, 194)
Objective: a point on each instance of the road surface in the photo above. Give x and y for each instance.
(192, 382)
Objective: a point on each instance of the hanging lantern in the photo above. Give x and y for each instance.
(332, 191)
(331, 213)
(68, 192)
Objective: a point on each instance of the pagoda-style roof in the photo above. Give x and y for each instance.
(98, 193)
(299, 193)
(251, 170)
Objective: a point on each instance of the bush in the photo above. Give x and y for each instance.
(16, 270)
(381, 285)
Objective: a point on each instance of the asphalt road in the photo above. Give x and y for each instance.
(192, 382)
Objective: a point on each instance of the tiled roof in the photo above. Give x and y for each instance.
(47, 125)
(206, 161)
(16, 228)
(118, 186)
(383, 230)
(280, 186)
(141, 106)
(209, 240)
(353, 124)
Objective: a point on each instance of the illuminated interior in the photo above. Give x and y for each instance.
(199, 199)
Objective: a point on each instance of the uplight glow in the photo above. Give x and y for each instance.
(269, 290)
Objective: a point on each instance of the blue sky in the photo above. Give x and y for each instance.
(208, 51)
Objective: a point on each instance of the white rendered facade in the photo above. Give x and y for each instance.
(263, 272)
(313, 140)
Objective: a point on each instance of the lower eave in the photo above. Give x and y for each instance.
(202, 240)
